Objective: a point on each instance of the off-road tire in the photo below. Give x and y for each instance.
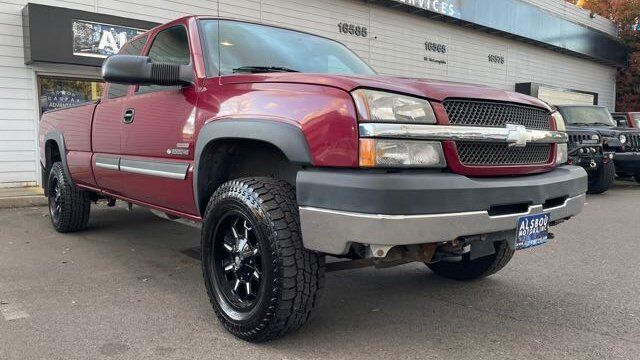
(602, 179)
(72, 211)
(474, 269)
(292, 276)
(637, 178)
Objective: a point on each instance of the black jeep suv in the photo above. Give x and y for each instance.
(620, 144)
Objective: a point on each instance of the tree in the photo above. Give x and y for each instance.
(625, 14)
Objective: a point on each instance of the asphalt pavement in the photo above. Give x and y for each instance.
(129, 288)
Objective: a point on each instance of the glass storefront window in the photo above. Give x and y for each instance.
(56, 93)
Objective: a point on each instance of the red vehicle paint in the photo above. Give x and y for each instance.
(284, 159)
(320, 105)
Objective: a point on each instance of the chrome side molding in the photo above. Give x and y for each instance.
(170, 170)
(108, 162)
(515, 135)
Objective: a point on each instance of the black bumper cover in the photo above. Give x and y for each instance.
(430, 192)
(627, 163)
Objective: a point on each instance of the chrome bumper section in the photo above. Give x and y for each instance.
(332, 232)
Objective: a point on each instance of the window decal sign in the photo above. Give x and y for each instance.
(99, 40)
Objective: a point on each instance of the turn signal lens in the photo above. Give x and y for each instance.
(558, 121)
(562, 154)
(386, 153)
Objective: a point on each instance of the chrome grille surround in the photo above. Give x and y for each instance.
(496, 114)
(491, 154)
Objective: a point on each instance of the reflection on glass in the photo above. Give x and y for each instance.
(586, 115)
(253, 48)
(56, 93)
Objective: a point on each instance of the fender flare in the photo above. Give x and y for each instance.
(286, 137)
(58, 138)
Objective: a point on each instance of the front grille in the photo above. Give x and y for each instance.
(489, 154)
(494, 114)
(576, 140)
(633, 142)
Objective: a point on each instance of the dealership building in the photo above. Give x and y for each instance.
(51, 50)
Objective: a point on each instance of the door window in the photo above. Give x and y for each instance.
(169, 46)
(58, 92)
(133, 47)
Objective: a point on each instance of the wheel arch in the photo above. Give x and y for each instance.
(280, 144)
(54, 150)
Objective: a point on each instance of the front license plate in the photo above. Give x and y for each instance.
(532, 231)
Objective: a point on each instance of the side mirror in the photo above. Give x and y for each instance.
(622, 122)
(139, 70)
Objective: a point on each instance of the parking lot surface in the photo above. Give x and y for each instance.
(127, 289)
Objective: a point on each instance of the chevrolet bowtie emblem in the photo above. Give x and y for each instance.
(517, 136)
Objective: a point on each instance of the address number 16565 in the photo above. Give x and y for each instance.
(351, 29)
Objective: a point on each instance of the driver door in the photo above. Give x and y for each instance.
(157, 137)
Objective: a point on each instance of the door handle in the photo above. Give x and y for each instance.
(127, 118)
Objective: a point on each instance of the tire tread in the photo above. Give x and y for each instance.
(299, 272)
(76, 203)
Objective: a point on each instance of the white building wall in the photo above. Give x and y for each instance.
(395, 46)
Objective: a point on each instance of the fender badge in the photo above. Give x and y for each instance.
(179, 152)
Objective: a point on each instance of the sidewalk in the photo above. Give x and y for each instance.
(21, 197)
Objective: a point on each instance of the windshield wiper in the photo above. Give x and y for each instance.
(262, 69)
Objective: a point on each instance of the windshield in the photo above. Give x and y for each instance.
(586, 115)
(238, 47)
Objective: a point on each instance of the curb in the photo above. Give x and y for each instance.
(22, 201)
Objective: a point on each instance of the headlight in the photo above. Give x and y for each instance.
(382, 106)
(559, 121)
(387, 153)
(623, 139)
(562, 154)
(595, 137)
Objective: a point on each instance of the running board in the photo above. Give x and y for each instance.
(179, 220)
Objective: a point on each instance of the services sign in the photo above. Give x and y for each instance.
(444, 7)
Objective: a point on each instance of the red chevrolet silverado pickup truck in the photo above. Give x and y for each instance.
(287, 147)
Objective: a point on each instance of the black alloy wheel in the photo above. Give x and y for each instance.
(69, 206)
(237, 261)
(261, 281)
(55, 200)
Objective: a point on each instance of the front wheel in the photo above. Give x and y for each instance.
(260, 280)
(468, 269)
(637, 178)
(602, 179)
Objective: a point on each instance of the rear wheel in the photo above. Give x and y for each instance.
(69, 207)
(261, 282)
(478, 268)
(602, 179)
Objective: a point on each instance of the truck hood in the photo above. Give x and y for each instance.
(606, 131)
(431, 89)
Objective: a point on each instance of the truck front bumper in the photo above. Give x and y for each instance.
(627, 163)
(341, 207)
